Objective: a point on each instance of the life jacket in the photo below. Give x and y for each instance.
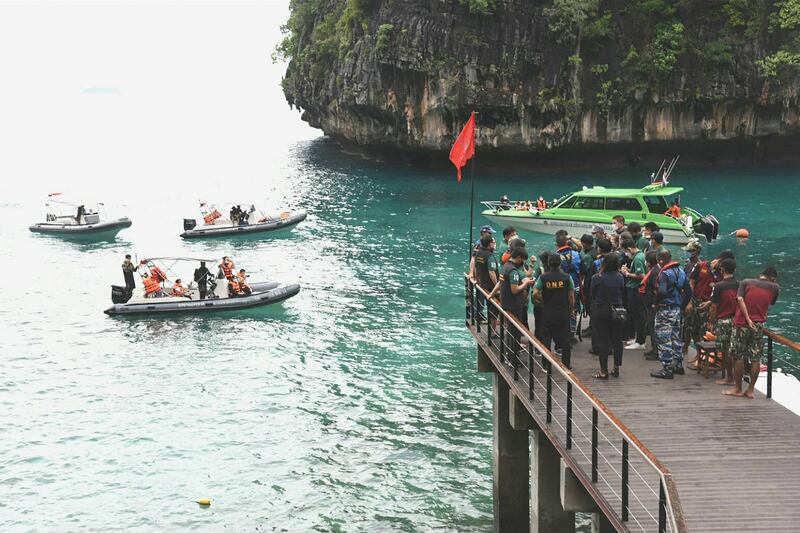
(233, 286)
(705, 281)
(158, 274)
(151, 285)
(674, 211)
(178, 290)
(680, 278)
(643, 283)
(541, 203)
(506, 256)
(227, 269)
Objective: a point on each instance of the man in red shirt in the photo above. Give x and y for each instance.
(720, 317)
(747, 342)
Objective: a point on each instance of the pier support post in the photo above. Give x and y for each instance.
(518, 416)
(483, 362)
(601, 524)
(547, 514)
(510, 465)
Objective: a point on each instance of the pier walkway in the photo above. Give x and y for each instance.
(652, 455)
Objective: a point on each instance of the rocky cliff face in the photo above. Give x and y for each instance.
(543, 75)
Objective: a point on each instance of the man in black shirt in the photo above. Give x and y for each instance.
(201, 278)
(513, 288)
(556, 290)
(485, 271)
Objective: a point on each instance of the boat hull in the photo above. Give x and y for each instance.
(105, 230)
(550, 225)
(210, 231)
(159, 306)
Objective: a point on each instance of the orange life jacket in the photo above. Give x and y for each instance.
(674, 211)
(227, 269)
(178, 290)
(158, 274)
(541, 204)
(233, 286)
(151, 285)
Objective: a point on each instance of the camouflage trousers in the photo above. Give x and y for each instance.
(668, 336)
(694, 325)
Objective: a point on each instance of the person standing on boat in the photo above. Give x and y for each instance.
(556, 290)
(128, 268)
(201, 276)
(669, 295)
(226, 267)
(747, 341)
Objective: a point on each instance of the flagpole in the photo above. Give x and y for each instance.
(471, 202)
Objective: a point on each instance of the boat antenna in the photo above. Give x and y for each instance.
(672, 164)
(654, 177)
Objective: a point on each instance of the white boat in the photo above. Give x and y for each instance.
(250, 222)
(215, 298)
(78, 221)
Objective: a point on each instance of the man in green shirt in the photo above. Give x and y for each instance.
(641, 241)
(633, 277)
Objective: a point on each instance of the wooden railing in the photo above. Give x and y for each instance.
(537, 376)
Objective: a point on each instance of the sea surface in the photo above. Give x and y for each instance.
(354, 406)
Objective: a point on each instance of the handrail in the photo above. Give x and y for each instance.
(780, 339)
(673, 506)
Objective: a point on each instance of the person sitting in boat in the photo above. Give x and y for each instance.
(152, 288)
(178, 289)
(226, 268)
(528, 205)
(242, 278)
(675, 210)
(234, 216)
(505, 204)
(541, 203)
(235, 288)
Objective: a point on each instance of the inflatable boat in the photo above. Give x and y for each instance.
(171, 297)
(240, 224)
(78, 221)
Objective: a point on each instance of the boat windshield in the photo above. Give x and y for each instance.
(656, 204)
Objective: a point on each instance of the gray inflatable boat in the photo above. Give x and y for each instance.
(264, 293)
(68, 227)
(227, 229)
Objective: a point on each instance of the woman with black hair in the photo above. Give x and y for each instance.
(607, 288)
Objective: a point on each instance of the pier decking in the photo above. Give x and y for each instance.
(654, 455)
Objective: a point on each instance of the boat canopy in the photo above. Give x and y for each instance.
(192, 259)
(650, 190)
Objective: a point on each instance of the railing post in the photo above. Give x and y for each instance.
(662, 508)
(594, 444)
(549, 392)
(569, 415)
(466, 299)
(769, 367)
(530, 375)
(488, 322)
(472, 303)
(502, 337)
(624, 480)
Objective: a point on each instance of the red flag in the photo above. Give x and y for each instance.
(464, 148)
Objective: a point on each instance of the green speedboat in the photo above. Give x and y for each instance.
(577, 212)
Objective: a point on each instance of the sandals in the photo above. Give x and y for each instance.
(600, 375)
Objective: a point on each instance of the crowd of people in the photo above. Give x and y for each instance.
(153, 279)
(632, 289)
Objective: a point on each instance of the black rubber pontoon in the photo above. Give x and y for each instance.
(244, 229)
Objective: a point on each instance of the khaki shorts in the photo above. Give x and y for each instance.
(748, 344)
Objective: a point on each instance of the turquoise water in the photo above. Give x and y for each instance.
(353, 406)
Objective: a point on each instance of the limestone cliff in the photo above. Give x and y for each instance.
(543, 74)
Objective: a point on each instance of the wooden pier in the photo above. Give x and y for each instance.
(643, 454)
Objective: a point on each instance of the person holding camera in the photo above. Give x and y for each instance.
(608, 314)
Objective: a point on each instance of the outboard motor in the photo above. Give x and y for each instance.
(119, 295)
(189, 224)
(715, 222)
(704, 226)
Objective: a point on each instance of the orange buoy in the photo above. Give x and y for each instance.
(742, 233)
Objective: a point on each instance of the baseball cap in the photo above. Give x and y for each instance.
(487, 228)
(693, 246)
(658, 237)
(598, 229)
